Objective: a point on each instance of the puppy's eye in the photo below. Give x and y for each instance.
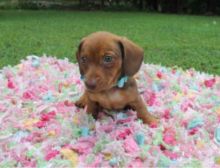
(107, 59)
(83, 60)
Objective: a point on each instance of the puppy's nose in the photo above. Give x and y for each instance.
(91, 84)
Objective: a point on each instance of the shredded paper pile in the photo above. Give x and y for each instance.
(40, 126)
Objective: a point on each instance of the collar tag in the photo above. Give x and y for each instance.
(121, 82)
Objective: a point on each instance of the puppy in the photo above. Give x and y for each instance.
(107, 64)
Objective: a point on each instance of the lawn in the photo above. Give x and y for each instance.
(182, 40)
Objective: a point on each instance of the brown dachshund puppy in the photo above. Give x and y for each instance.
(107, 64)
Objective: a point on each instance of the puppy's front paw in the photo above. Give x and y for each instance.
(151, 121)
(81, 103)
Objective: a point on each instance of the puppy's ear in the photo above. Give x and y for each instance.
(79, 49)
(132, 56)
(78, 55)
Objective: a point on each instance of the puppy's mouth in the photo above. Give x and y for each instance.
(98, 88)
(99, 85)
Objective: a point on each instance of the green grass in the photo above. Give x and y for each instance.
(185, 41)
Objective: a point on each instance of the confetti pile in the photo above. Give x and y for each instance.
(41, 127)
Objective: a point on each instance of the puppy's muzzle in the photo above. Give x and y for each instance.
(91, 84)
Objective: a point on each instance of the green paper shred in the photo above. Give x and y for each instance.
(193, 164)
(164, 162)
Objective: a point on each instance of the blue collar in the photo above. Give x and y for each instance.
(82, 77)
(121, 82)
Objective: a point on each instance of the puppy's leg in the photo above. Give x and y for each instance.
(92, 108)
(82, 102)
(142, 112)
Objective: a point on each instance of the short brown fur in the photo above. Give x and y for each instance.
(101, 76)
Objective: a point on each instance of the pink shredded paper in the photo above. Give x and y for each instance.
(41, 127)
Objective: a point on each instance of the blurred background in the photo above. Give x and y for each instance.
(183, 33)
(207, 7)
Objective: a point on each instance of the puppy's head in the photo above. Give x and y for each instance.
(104, 57)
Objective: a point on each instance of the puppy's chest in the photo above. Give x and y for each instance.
(113, 99)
